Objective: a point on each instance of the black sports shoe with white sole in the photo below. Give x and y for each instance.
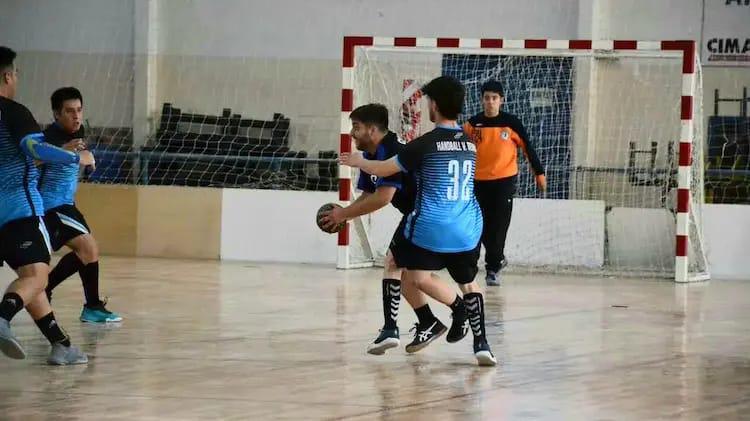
(387, 339)
(483, 354)
(423, 335)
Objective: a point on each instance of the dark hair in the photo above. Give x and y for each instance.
(7, 57)
(493, 86)
(372, 114)
(64, 94)
(448, 94)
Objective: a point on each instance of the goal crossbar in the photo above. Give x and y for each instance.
(684, 49)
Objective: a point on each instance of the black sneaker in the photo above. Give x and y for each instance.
(483, 354)
(387, 339)
(493, 279)
(459, 328)
(424, 335)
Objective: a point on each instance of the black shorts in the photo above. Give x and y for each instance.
(397, 241)
(23, 242)
(462, 266)
(65, 223)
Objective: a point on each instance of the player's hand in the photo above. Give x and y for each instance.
(541, 182)
(351, 159)
(87, 159)
(75, 145)
(333, 217)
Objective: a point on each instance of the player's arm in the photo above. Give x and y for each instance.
(530, 152)
(408, 159)
(25, 130)
(378, 168)
(365, 203)
(34, 146)
(369, 203)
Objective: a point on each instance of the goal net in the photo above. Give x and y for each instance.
(179, 119)
(612, 122)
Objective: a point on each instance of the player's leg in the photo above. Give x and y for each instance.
(64, 269)
(389, 335)
(421, 279)
(440, 291)
(73, 231)
(487, 197)
(463, 269)
(429, 327)
(94, 311)
(407, 255)
(393, 288)
(391, 292)
(19, 293)
(24, 245)
(416, 299)
(506, 191)
(68, 264)
(62, 353)
(29, 257)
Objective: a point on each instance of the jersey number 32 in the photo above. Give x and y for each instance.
(460, 174)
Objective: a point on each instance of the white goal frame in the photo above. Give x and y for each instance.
(540, 47)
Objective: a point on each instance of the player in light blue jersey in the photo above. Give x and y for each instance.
(24, 242)
(444, 229)
(66, 225)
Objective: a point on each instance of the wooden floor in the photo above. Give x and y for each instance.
(210, 340)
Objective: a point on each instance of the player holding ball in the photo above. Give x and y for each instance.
(372, 137)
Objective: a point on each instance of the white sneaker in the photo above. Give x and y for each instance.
(9, 345)
(66, 355)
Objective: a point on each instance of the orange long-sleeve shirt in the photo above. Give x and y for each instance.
(498, 139)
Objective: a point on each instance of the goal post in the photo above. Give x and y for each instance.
(616, 123)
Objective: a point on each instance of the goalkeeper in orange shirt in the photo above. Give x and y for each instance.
(498, 135)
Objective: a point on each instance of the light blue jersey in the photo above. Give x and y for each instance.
(58, 182)
(446, 217)
(19, 197)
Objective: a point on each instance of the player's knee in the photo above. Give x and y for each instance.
(88, 251)
(391, 272)
(40, 282)
(94, 250)
(35, 276)
(390, 268)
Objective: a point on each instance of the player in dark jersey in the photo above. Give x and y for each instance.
(65, 223)
(371, 135)
(444, 229)
(24, 242)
